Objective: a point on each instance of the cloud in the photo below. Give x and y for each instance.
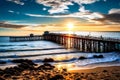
(84, 1)
(104, 0)
(4, 24)
(82, 9)
(57, 6)
(113, 17)
(16, 1)
(34, 15)
(11, 11)
(44, 9)
(110, 19)
(58, 10)
(61, 6)
(113, 11)
(88, 15)
(48, 16)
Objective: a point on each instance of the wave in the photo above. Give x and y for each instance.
(13, 45)
(70, 57)
(3, 50)
(59, 55)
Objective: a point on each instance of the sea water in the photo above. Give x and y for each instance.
(66, 59)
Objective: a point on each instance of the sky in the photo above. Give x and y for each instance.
(22, 17)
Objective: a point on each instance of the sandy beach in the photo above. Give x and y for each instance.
(100, 73)
(27, 70)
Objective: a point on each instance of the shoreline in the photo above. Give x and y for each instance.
(96, 69)
(100, 73)
(71, 66)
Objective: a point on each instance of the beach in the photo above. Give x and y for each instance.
(28, 70)
(59, 39)
(100, 73)
(46, 60)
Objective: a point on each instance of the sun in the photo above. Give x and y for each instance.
(70, 25)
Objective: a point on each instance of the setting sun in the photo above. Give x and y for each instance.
(70, 25)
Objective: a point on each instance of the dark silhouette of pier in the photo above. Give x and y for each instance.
(81, 43)
(26, 38)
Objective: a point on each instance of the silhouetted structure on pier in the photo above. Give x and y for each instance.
(82, 43)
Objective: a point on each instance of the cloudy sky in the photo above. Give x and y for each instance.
(22, 17)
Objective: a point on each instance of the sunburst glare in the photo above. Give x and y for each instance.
(70, 26)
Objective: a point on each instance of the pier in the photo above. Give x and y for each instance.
(85, 43)
(26, 38)
(81, 43)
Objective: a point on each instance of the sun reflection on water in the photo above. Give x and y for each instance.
(61, 57)
(67, 66)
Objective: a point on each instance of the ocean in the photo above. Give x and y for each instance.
(68, 58)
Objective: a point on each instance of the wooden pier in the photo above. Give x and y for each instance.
(81, 43)
(26, 38)
(85, 43)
